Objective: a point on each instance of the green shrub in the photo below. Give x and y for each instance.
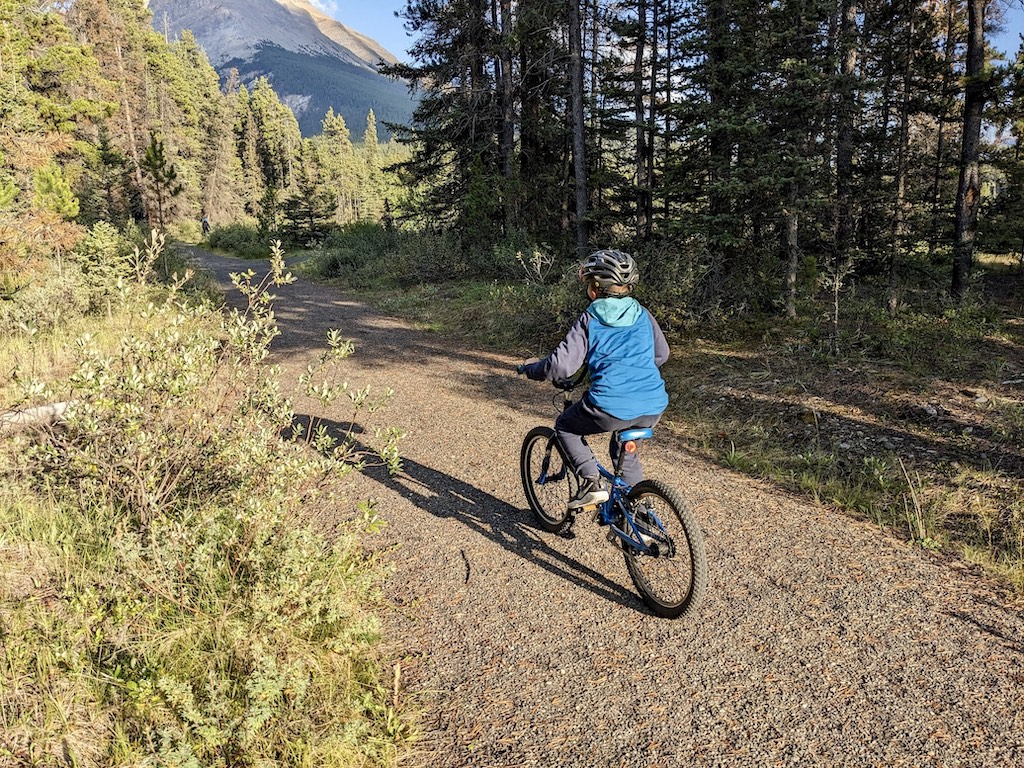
(52, 296)
(193, 614)
(242, 240)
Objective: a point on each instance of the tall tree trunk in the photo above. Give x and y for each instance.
(670, 25)
(642, 192)
(651, 121)
(845, 122)
(948, 53)
(720, 143)
(129, 123)
(578, 143)
(791, 224)
(507, 139)
(968, 195)
(900, 208)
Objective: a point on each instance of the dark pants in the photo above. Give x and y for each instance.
(582, 419)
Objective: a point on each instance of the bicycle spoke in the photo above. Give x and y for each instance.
(672, 574)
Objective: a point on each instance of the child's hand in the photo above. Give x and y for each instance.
(521, 368)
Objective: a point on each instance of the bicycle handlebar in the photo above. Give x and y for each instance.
(572, 382)
(567, 384)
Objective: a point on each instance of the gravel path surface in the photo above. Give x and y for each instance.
(822, 642)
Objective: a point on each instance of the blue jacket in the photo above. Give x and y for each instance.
(622, 346)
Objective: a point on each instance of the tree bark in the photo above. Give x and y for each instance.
(579, 160)
(948, 53)
(900, 208)
(968, 195)
(642, 192)
(845, 118)
(791, 224)
(507, 139)
(720, 140)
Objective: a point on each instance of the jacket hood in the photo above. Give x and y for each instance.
(616, 313)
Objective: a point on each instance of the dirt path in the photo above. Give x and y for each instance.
(822, 642)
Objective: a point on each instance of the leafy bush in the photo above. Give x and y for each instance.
(186, 230)
(242, 240)
(50, 297)
(192, 614)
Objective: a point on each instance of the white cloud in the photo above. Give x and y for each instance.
(330, 7)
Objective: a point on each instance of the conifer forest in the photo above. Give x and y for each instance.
(756, 153)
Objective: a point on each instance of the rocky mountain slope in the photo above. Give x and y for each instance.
(313, 61)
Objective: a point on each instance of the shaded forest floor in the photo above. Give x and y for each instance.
(917, 425)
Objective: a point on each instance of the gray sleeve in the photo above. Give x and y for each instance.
(660, 344)
(568, 356)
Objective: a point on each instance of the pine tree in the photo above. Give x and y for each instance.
(163, 180)
(371, 187)
(337, 161)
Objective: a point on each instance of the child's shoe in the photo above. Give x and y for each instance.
(589, 494)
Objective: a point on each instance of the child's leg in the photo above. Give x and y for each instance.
(572, 426)
(632, 472)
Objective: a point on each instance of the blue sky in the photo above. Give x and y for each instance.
(1009, 41)
(376, 18)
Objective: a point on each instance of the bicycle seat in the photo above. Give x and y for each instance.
(625, 435)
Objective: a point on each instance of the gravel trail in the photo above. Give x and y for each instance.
(821, 642)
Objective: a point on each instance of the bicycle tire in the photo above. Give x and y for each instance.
(549, 480)
(673, 581)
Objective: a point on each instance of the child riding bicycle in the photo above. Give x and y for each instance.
(623, 347)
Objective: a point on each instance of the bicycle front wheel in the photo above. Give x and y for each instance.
(548, 479)
(673, 577)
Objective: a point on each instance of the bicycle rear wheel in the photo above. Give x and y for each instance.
(548, 479)
(673, 578)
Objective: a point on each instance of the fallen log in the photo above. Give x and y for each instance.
(39, 416)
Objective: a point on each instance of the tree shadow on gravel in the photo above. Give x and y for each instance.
(445, 496)
(999, 635)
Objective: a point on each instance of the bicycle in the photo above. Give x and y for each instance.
(650, 522)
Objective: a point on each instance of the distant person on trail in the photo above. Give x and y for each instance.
(206, 224)
(623, 347)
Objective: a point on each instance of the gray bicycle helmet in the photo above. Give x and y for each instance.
(609, 267)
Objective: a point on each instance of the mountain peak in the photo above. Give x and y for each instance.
(313, 61)
(237, 29)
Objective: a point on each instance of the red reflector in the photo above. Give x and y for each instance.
(630, 446)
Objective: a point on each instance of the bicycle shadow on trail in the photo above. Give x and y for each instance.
(447, 497)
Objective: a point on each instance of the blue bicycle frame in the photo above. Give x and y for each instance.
(615, 512)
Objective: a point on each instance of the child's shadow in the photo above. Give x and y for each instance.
(513, 528)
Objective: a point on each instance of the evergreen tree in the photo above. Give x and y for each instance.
(371, 187)
(163, 184)
(337, 161)
(307, 208)
(48, 83)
